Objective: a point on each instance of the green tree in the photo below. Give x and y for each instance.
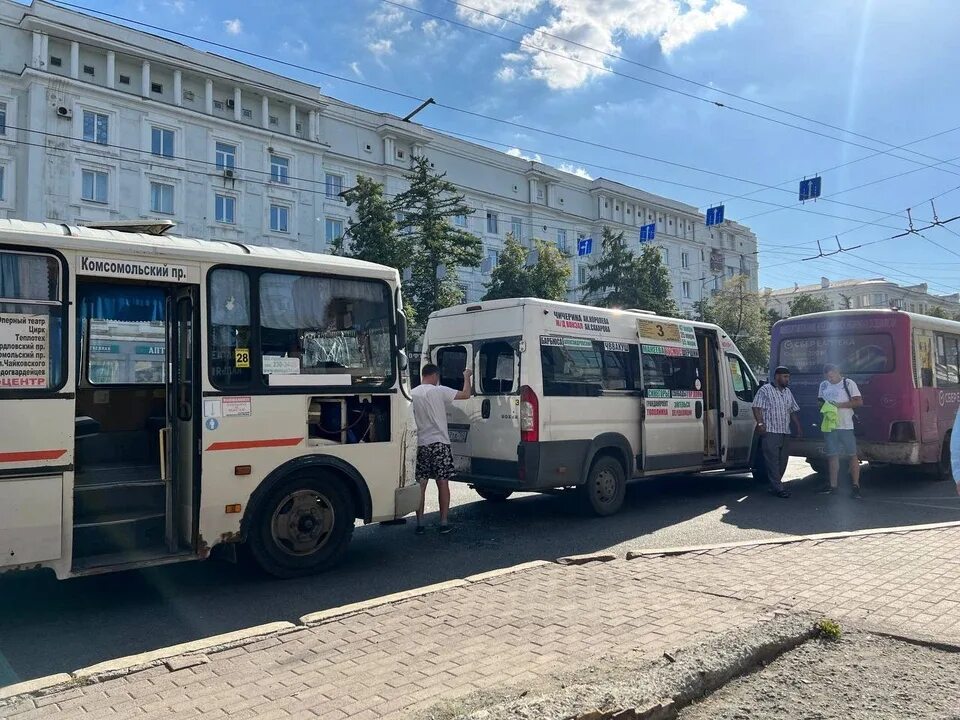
(740, 312)
(623, 279)
(938, 312)
(372, 232)
(804, 304)
(515, 276)
(438, 248)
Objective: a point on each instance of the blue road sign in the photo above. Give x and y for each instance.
(648, 232)
(715, 215)
(584, 246)
(810, 188)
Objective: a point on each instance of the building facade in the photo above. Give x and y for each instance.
(102, 122)
(865, 294)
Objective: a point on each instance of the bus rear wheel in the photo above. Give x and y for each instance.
(606, 486)
(943, 470)
(302, 526)
(496, 496)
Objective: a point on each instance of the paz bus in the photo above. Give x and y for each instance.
(907, 367)
(161, 396)
(570, 396)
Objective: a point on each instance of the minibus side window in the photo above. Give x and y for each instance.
(923, 360)
(744, 386)
(665, 372)
(948, 349)
(620, 371)
(452, 361)
(497, 368)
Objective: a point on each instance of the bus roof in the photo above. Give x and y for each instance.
(563, 307)
(72, 237)
(916, 319)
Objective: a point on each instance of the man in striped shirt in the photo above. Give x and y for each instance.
(774, 408)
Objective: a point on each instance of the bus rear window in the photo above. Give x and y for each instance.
(852, 353)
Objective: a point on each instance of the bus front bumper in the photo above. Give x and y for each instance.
(892, 453)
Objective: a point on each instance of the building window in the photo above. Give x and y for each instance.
(665, 254)
(731, 271)
(161, 198)
(161, 142)
(280, 169)
(686, 289)
(56, 61)
(685, 260)
(561, 240)
(280, 218)
(3, 118)
(334, 230)
(156, 88)
(460, 221)
(95, 127)
(124, 80)
(226, 209)
(88, 70)
(3, 177)
(94, 186)
(516, 227)
(583, 274)
(493, 257)
(334, 186)
(493, 223)
(226, 156)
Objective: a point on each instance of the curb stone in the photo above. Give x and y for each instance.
(789, 539)
(588, 558)
(35, 686)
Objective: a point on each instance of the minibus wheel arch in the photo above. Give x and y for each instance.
(614, 445)
(349, 476)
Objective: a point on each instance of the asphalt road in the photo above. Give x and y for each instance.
(49, 626)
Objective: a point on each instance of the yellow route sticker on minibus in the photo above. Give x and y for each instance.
(659, 330)
(241, 357)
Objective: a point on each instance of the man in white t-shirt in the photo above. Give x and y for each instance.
(434, 458)
(842, 393)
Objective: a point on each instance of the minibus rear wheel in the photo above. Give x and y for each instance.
(606, 486)
(496, 496)
(943, 470)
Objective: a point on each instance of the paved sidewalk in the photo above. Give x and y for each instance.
(394, 659)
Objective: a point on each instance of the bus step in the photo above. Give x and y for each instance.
(118, 533)
(116, 475)
(92, 502)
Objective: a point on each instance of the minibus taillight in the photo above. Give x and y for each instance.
(529, 415)
(903, 432)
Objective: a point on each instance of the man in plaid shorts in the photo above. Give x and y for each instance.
(434, 458)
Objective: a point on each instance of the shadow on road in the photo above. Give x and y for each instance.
(49, 626)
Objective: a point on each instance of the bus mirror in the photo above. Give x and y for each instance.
(401, 330)
(404, 362)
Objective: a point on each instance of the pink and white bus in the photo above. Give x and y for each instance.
(907, 367)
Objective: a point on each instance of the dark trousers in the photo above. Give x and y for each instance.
(775, 448)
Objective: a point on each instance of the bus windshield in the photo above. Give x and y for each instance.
(871, 353)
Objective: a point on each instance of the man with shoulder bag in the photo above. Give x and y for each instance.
(840, 394)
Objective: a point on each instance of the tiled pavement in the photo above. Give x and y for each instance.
(390, 660)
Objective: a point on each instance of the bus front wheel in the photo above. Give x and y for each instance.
(943, 470)
(606, 486)
(303, 525)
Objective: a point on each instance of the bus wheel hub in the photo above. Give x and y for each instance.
(302, 522)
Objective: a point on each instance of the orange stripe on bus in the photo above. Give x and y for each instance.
(249, 444)
(29, 455)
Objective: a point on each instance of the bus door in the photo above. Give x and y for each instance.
(181, 459)
(673, 425)
(740, 422)
(452, 361)
(714, 416)
(36, 406)
(495, 434)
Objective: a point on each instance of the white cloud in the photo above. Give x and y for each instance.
(518, 153)
(233, 27)
(430, 27)
(596, 25)
(297, 48)
(355, 66)
(178, 6)
(578, 171)
(393, 19)
(506, 73)
(381, 47)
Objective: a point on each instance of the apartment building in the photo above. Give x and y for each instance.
(102, 122)
(869, 293)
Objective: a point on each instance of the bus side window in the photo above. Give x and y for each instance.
(229, 338)
(744, 386)
(947, 369)
(452, 361)
(923, 354)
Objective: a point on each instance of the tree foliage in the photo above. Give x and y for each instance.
(621, 278)
(740, 312)
(438, 248)
(804, 304)
(372, 231)
(514, 277)
(938, 312)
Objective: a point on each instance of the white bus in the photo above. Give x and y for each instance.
(575, 396)
(160, 396)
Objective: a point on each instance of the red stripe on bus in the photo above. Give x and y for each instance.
(249, 444)
(29, 455)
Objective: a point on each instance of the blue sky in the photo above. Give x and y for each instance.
(885, 69)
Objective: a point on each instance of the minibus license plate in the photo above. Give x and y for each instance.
(458, 435)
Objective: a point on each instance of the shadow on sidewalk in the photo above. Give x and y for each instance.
(48, 626)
